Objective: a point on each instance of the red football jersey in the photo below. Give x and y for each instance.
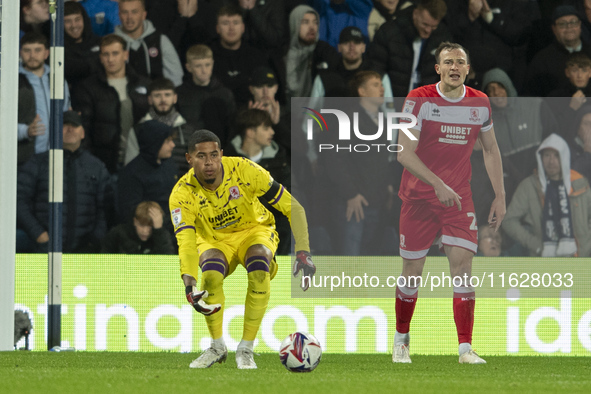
(448, 131)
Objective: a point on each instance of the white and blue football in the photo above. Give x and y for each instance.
(300, 352)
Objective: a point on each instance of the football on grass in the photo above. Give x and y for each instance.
(300, 352)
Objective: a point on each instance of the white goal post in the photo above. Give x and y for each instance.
(9, 55)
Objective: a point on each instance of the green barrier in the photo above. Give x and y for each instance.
(137, 303)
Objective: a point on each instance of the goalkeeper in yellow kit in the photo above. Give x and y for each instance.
(219, 223)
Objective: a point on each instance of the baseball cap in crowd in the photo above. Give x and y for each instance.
(564, 10)
(351, 33)
(72, 117)
(263, 76)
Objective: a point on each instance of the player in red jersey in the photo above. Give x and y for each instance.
(435, 190)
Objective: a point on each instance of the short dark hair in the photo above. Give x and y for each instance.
(450, 46)
(73, 8)
(359, 78)
(230, 10)
(161, 84)
(34, 38)
(200, 136)
(251, 119)
(436, 8)
(112, 39)
(578, 59)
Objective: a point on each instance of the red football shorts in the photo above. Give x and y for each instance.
(422, 224)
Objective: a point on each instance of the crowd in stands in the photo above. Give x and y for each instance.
(142, 75)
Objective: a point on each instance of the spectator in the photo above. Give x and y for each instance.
(264, 24)
(235, 60)
(203, 100)
(255, 142)
(364, 206)
(335, 15)
(572, 95)
(495, 32)
(81, 45)
(581, 143)
(34, 17)
(489, 242)
(520, 126)
(306, 54)
(151, 53)
(404, 47)
(185, 22)
(263, 86)
(162, 98)
(144, 236)
(111, 102)
(85, 182)
(27, 112)
(104, 15)
(34, 51)
(151, 175)
(548, 64)
(383, 11)
(550, 213)
(583, 8)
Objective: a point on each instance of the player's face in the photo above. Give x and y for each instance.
(144, 232)
(132, 15)
(424, 22)
(113, 58)
(567, 30)
(263, 135)
(309, 29)
(578, 76)
(453, 67)
(352, 51)
(497, 94)
(165, 151)
(206, 161)
(34, 56)
(551, 164)
(264, 93)
(74, 26)
(230, 28)
(201, 70)
(162, 100)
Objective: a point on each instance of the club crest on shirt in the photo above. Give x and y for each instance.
(234, 193)
(474, 115)
(176, 216)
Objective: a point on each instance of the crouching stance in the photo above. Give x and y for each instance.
(219, 224)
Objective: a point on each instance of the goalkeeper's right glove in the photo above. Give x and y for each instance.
(196, 299)
(304, 263)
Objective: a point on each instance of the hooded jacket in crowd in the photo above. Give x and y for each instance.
(144, 179)
(81, 59)
(523, 221)
(304, 61)
(153, 55)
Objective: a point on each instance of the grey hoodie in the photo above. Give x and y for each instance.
(171, 64)
(299, 56)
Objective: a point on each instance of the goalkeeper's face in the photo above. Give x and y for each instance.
(206, 161)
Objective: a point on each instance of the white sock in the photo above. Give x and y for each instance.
(246, 345)
(464, 347)
(218, 343)
(401, 339)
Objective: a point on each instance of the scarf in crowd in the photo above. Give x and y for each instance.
(169, 119)
(557, 225)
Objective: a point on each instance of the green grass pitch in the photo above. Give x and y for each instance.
(108, 372)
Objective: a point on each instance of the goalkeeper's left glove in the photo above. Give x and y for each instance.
(304, 263)
(196, 299)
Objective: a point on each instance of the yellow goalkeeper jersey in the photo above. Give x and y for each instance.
(200, 215)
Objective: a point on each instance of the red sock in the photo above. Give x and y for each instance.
(405, 307)
(464, 315)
